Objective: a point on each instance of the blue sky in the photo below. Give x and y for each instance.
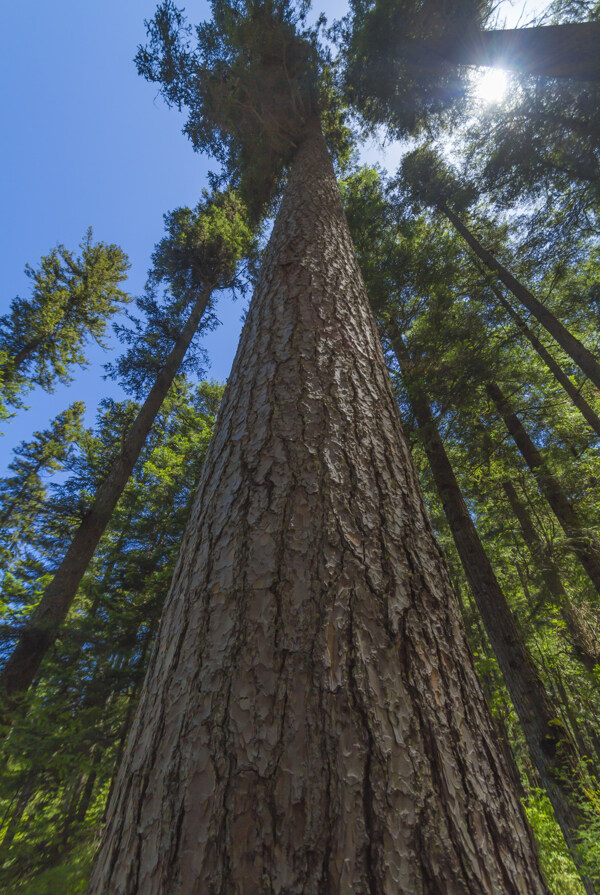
(86, 141)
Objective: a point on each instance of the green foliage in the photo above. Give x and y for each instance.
(429, 180)
(555, 860)
(421, 281)
(42, 337)
(249, 84)
(203, 246)
(68, 878)
(210, 247)
(23, 496)
(253, 81)
(392, 74)
(590, 836)
(60, 760)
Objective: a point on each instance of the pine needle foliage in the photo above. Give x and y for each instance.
(42, 337)
(250, 79)
(391, 75)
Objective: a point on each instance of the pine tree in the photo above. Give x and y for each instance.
(396, 278)
(42, 337)
(311, 676)
(406, 62)
(204, 247)
(429, 180)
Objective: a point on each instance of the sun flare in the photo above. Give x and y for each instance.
(489, 86)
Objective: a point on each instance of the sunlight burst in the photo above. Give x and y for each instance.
(489, 86)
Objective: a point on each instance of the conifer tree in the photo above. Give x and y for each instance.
(586, 648)
(42, 337)
(406, 62)
(311, 676)
(552, 752)
(23, 492)
(430, 181)
(389, 275)
(199, 254)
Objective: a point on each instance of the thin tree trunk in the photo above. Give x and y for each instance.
(577, 399)
(581, 544)
(14, 363)
(548, 743)
(582, 745)
(583, 645)
(571, 50)
(584, 359)
(23, 798)
(311, 720)
(86, 795)
(488, 686)
(42, 628)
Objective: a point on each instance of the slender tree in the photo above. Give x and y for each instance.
(311, 675)
(431, 181)
(580, 541)
(578, 400)
(59, 761)
(586, 648)
(207, 245)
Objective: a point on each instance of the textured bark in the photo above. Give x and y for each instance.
(585, 648)
(580, 542)
(311, 720)
(584, 359)
(577, 399)
(571, 50)
(548, 743)
(42, 628)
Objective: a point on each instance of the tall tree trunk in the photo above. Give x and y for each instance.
(488, 685)
(549, 746)
(583, 644)
(584, 359)
(42, 627)
(86, 795)
(571, 50)
(577, 399)
(311, 719)
(581, 544)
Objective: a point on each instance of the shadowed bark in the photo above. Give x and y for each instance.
(311, 719)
